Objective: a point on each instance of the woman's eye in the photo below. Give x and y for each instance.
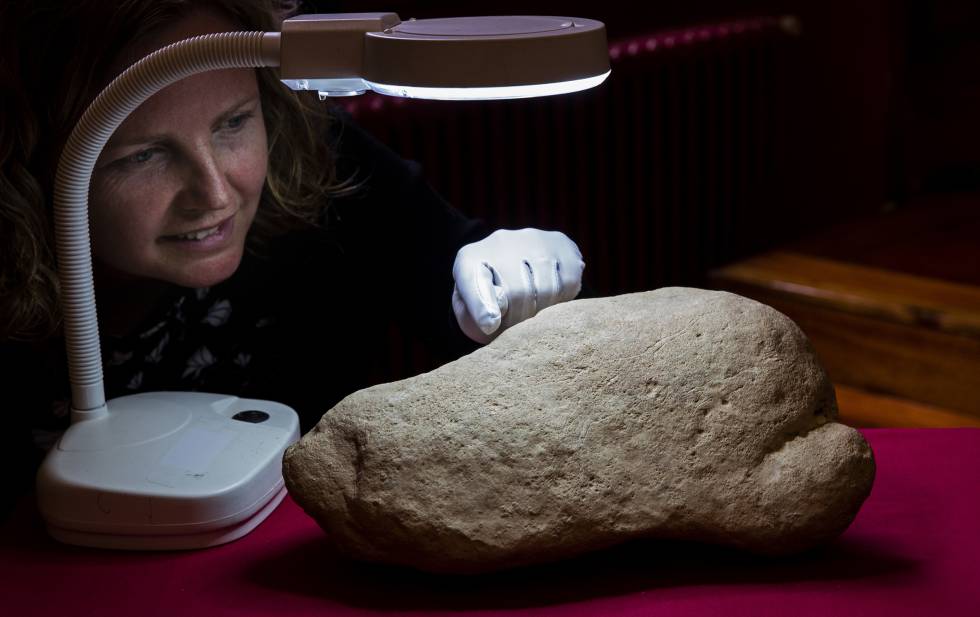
(140, 158)
(236, 122)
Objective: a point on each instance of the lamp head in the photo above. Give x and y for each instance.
(450, 59)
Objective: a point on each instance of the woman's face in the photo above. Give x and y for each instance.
(177, 187)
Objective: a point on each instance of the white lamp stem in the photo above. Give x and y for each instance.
(127, 92)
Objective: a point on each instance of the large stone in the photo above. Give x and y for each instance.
(676, 413)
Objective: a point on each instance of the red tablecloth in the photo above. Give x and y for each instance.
(913, 550)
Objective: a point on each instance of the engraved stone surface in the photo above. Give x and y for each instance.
(675, 413)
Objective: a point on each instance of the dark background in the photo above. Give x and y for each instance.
(878, 100)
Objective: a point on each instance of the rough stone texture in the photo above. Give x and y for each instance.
(675, 413)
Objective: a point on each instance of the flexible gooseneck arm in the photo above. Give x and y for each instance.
(127, 92)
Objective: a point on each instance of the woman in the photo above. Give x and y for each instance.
(245, 239)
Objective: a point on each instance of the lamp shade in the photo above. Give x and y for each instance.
(454, 58)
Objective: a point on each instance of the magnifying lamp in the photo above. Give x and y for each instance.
(178, 470)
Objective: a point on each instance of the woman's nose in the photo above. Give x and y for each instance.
(209, 188)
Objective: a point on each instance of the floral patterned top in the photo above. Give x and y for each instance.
(306, 324)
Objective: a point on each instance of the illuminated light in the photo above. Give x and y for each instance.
(489, 93)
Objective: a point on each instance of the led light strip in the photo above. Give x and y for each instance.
(497, 92)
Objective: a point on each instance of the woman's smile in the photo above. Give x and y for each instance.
(206, 239)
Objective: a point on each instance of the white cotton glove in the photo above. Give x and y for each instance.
(511, 275)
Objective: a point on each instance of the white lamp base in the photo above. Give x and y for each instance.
(167, 470)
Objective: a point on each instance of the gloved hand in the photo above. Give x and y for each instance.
(511, 275)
